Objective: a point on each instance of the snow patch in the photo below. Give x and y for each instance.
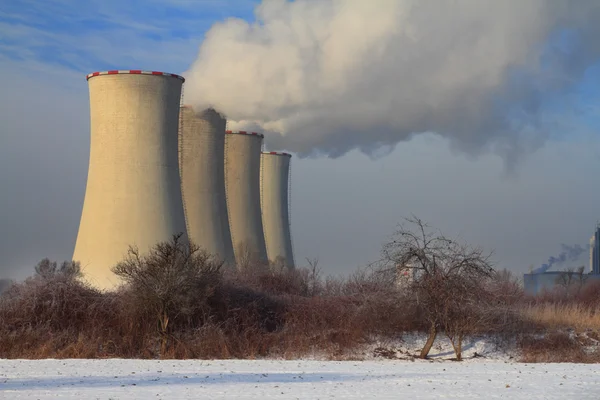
(272, 379)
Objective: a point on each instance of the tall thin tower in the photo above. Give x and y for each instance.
(242, 186)
(133, 193)
(274, 190)
(595, 251)
(201, 154)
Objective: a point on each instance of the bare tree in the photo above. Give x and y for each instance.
(5, 284)
(506, 287)
(437, 264)
(247, 257)
(278, 265)
(48, 269)
(174, 278)
(572, 280)
(314, 277)
(469, 308)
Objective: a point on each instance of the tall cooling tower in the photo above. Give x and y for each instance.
(133, 193)
(242, 185)
(201, 155)
(274, 191)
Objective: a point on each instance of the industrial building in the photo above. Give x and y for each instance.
(201, 155)
(242, 189)
(541, 279)
(274, 200)
(133, 193)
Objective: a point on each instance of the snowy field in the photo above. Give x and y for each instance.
(385, 379)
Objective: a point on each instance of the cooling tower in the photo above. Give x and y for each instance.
(201, 154)
(274, 199)
(242, 186)
(133, 193)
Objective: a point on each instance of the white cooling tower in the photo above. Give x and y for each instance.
(133, 193)
(242, 186)
(274, 199)
(201, 155)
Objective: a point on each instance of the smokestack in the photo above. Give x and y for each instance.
(274, 190)
(568, 253)
(201, 154)
(242, 188)
(133, 194)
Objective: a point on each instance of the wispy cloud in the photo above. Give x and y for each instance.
(97, 34)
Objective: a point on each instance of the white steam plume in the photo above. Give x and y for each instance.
(327, 76)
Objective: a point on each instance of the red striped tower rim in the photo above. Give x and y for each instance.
(133, 72)
(276, 153)
(245, 133)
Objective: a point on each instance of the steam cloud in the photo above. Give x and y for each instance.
(568, 253)
(328, 76)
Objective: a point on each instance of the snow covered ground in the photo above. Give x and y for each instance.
(275, 379)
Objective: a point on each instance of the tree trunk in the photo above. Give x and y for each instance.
(164, 323)
(429, 343)
(457, 346)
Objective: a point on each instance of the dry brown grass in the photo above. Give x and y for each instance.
(556, 316)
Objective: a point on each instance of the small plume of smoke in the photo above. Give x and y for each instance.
(568, 254)
(325, 77)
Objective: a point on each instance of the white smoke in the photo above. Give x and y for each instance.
(327, 76)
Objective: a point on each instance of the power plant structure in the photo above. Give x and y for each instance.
(133, 193)
(541, 279)
(242, 188)
(158, 168)
(274, 200)
(201, 155)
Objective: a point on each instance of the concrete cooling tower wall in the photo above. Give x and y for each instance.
(242, 186)
(133, 193)
(274, 190)
(201, 154)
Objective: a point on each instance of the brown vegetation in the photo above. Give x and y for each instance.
(558, 347)
(178, 302)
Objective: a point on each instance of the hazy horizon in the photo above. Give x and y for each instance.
(483, 124)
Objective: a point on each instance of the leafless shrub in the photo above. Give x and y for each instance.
(5, 284)
(247, 257)
(172, 281)
(52, 306)
(48, 269)
(570, 282)
(249, 307)
(312, 276)
(505, 288)
(552, 347)
(304, 281)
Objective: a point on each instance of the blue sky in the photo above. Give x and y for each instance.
(100, 35)
(342, 209)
